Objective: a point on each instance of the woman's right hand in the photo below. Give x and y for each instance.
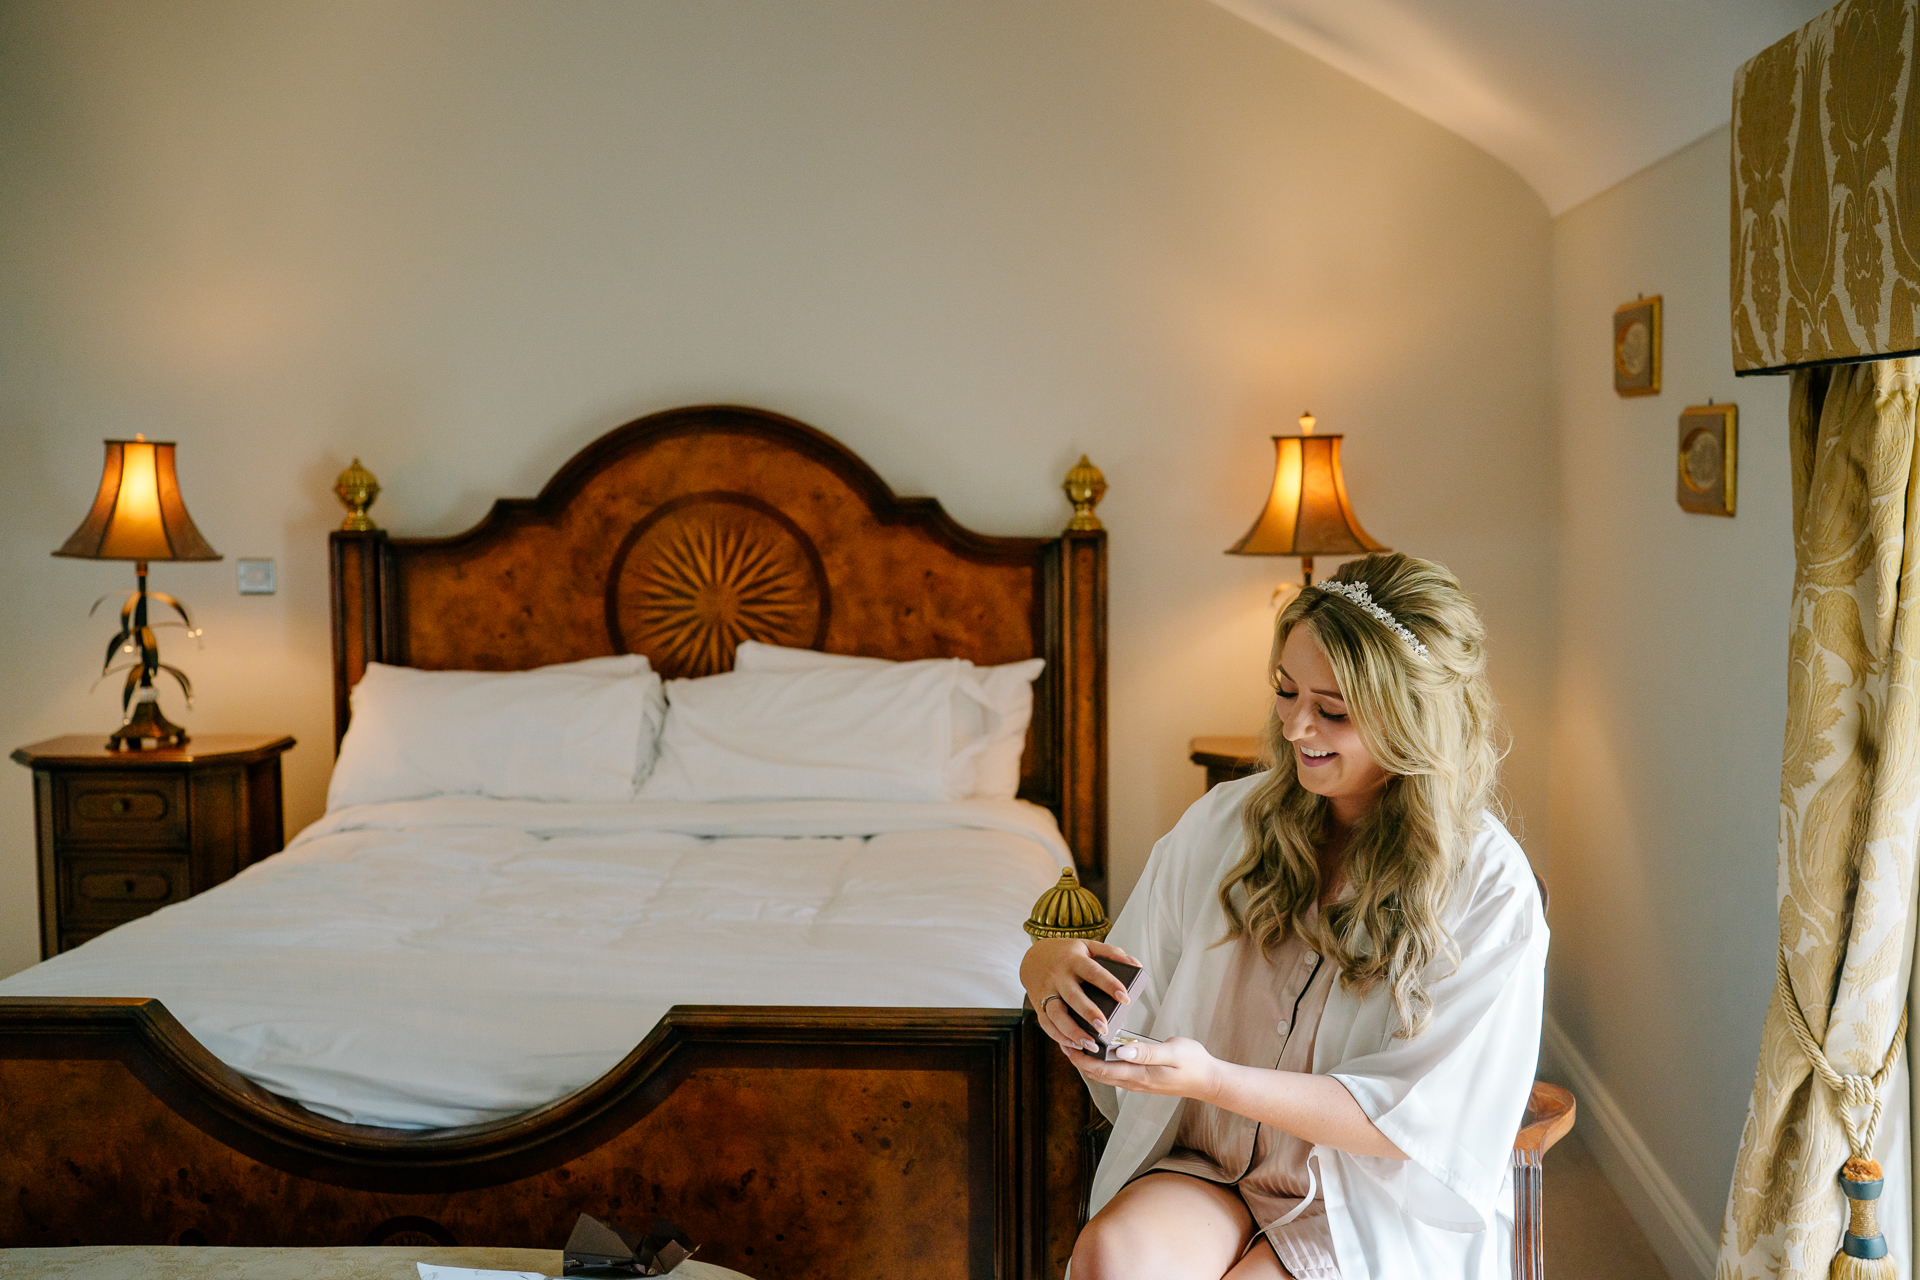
(1052, 972)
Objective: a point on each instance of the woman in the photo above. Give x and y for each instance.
(1344, 961)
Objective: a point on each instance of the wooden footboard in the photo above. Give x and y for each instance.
(790, 1142)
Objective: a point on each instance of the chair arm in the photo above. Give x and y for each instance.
(1549, 1116)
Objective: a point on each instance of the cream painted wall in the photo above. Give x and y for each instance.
(1669, 706)
(461, 240)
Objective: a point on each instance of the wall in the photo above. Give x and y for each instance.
(1669, 706)
(461, 240)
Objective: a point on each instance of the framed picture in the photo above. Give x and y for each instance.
(1636, 347)
(1709, 455)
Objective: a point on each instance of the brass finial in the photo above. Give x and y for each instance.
(1068, 911)
(1085, 487)
(357, 489)
(1306, 423)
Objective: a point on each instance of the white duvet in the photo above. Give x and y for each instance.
(451, 961)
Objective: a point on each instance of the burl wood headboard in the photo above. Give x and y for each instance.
(680, 534)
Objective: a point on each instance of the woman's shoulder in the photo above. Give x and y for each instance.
(1497, 881)
(1212, 831)
(1222, 810)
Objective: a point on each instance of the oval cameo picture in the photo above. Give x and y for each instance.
(1700, 460)
(1631, 353)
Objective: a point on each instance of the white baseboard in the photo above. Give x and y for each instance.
(1684, 1245)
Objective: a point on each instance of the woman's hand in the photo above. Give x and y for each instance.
(1179, 1066)
(1052, 971)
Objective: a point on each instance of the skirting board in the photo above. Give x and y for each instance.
(1685, 1247)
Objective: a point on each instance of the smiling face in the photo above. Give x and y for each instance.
(1328, 755)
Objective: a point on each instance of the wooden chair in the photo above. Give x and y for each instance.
(1548, 1119)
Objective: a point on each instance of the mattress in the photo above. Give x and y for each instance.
(458, 960)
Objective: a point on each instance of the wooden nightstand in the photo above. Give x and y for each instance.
(1225, 758)
(124, 833)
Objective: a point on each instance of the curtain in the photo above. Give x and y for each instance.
(1826, 192)
(1849, 813)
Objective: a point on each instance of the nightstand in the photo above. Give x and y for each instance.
(124, 833)
(1225, 758)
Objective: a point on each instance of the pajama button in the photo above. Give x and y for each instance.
(1283, 1028)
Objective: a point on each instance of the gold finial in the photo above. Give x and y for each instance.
(357, 489)
(1085, 487)
(1068, 911)
(1306, 424)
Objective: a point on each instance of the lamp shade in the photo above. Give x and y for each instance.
(1307, 513)
(138, 514)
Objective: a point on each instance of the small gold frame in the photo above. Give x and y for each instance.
(1709, 457)
(1636, 347)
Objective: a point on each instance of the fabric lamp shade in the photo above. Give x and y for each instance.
(138, 514)
(1307, 512)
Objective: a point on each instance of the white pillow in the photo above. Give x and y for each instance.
(551, 734)
(832, 733)
(616, 664)
(1008, 690)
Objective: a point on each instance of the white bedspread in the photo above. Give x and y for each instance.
(451, 961)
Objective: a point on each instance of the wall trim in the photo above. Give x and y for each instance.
(1685, 1246)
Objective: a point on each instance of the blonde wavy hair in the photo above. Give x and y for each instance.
(1431, 722)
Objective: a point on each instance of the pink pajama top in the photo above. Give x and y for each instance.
(1267, 1016)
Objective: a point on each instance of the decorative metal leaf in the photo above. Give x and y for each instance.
(110, 671)
(173, 604)
(114, 646)
(125, 609)
(126, 693)
(186, 685)
(149, 645)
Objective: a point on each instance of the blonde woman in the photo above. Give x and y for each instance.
(1345, 960)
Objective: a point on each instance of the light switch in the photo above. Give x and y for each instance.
(256, 577)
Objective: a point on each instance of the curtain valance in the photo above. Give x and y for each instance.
(1826, 192)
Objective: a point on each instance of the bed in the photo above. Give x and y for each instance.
(849, 1089)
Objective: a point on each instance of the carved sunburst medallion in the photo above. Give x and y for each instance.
(704, 572)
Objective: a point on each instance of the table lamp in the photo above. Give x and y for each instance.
(1307, 513)
(138, 516)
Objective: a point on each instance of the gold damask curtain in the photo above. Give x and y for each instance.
(1826, 192)
(1849, 814)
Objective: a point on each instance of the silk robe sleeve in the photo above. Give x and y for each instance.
(1452, 1097)
(1151, 929)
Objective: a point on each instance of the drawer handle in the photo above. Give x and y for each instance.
(122, 887)
(119, 805)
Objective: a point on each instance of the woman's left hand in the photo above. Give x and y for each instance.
(1179, 1066)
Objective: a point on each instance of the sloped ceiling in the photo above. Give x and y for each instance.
(1574, 95)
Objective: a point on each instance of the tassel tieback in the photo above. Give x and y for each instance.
(1863, 1249)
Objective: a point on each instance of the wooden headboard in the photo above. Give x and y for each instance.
(683, 533)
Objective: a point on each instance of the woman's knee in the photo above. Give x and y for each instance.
(1118, 1247)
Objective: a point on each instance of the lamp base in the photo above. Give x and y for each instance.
(147, 730)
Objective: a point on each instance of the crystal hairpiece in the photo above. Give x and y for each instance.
(1358, 593)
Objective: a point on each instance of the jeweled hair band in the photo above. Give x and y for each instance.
(1358, 593)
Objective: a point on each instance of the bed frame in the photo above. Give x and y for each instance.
(790, 1142)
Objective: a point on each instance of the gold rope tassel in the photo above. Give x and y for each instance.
(1863, 1249)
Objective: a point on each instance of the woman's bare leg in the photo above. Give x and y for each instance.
(1165, 1226)
(1261, 1263)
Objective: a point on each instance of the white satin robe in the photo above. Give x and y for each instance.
(1451, 1098)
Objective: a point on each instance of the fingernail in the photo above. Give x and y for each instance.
(1100, 1025)
(1090, 1046)
(1125, 1053)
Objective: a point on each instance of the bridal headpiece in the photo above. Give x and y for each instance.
(1358, 593)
